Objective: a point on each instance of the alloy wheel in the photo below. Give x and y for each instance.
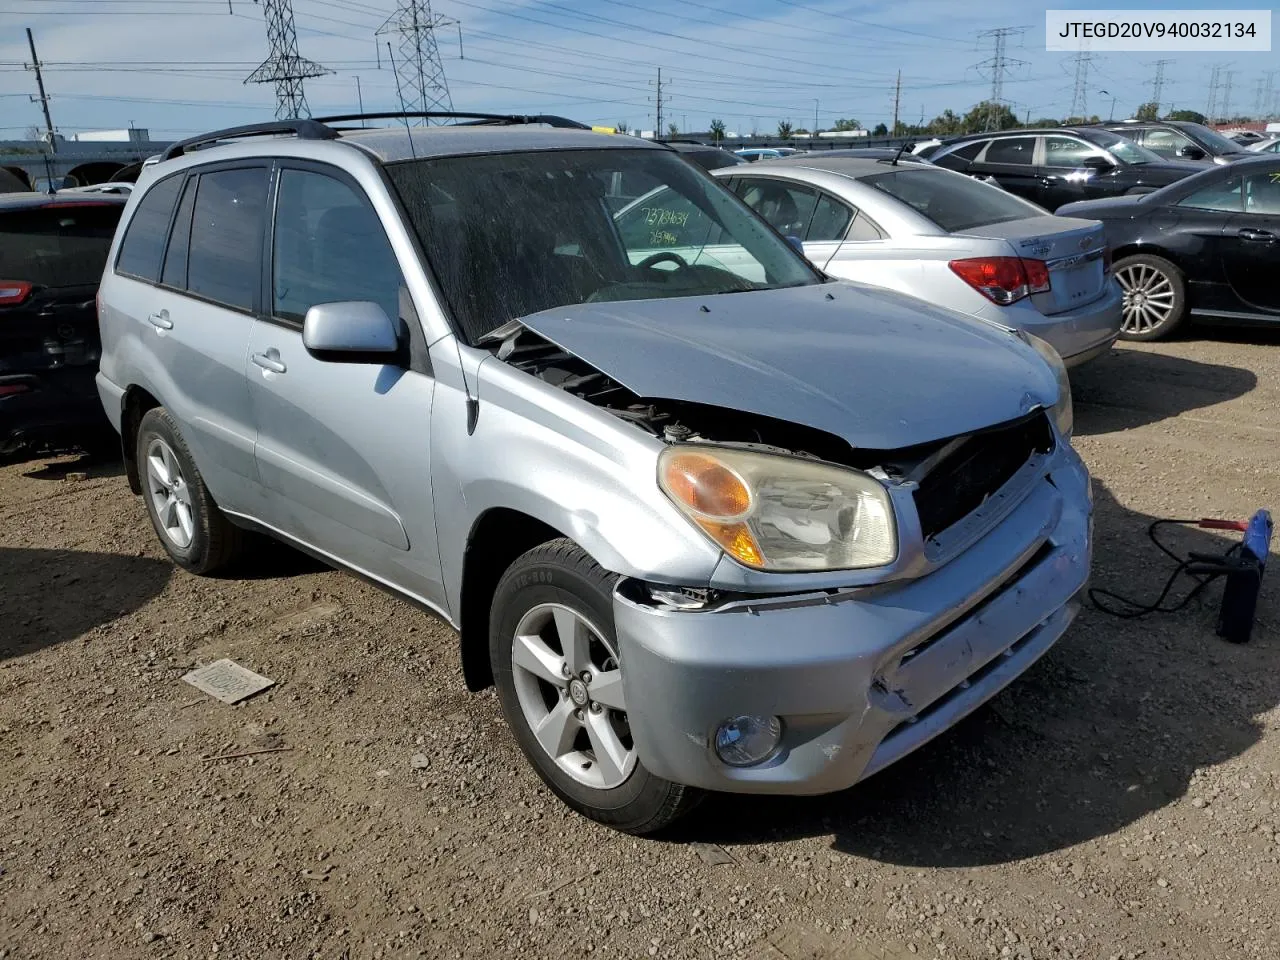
(170, 495)
(569, 687)
(1148, 298)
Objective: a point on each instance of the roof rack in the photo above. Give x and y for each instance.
(303, 129)
(474, 118)
(317, 128)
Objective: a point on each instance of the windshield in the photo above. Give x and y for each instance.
(1212, 138)
(952, 201)
(512, 234)
(1126, 151)
(57, 246)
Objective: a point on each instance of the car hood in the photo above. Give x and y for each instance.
(877, 368)
(1111, 208)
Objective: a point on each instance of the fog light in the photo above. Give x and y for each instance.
(746, 741)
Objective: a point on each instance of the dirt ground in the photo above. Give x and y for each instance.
(1122, 800)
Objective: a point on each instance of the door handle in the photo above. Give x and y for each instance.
(160, 320)
(267, 362)
(1257, 236)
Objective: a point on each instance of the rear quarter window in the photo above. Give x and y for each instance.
(57, 246)
(142, 249)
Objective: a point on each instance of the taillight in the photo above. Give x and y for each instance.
(9, 389)
(1003, 280)
(1037, 275)
(13, 292)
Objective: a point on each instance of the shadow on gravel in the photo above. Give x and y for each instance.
(92, 467)
(1131, 387)
(269, 559)
(1110, 725)
(48, 596)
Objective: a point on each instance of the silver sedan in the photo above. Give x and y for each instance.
(945, 238)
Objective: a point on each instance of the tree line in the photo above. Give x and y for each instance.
(987, 115)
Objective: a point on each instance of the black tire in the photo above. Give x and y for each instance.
(1146, 268)
(215, 541)
(561, 572)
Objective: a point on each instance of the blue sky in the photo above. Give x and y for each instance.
(177, 66)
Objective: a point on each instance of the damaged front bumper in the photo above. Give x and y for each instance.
(858, 678)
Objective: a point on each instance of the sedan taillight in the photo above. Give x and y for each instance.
(13, 292)
(1003, 280)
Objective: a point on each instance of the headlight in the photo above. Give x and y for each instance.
(1063, 415)
(781, 513)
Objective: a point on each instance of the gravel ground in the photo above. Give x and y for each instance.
(1122, 800)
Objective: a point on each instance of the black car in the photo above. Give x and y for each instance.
(705, 156)
(1056, 166)
(1206, 247)
(53, 249)
(1179, 140)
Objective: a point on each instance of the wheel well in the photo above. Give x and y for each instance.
(498, 537)
(135, 403)
(1133, 249)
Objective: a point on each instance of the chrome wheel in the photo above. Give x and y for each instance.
(569, 687)
(1149, 298)
(170, 495)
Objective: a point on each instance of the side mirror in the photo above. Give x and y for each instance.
(796, 242)
(350, 331)
(1191, 153)
(1096, 163)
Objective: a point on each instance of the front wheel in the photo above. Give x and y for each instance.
(559, 677)
(1155, 297)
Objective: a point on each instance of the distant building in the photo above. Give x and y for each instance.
(132, 135)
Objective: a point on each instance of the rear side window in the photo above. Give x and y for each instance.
(225, 259)
(786, 206)
(830, 221)
(61, 246)
(952, 201)
(144, 239)
(329, 246)
(1018, 151)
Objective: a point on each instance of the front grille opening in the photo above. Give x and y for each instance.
(963, 480)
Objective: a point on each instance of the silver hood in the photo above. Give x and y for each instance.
(879, 369)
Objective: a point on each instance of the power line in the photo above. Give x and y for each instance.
(1211, 110)
(284, 66)
(658, 132)
(1227, 76)
(420, 72)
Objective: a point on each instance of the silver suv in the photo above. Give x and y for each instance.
(708, 519)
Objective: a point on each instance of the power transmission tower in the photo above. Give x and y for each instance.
(1226, 93)
(1157, 85)
(1080, 96)
(1265, 94)
(284, 66)
(996, 66)
(1211, 111)
(43, 99)
(420, 71)
(897, 102)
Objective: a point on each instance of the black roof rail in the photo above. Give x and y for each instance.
(303, 129)
(475, 118)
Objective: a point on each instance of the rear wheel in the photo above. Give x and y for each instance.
(1155, 300)
(559, 677)
(193, 531)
